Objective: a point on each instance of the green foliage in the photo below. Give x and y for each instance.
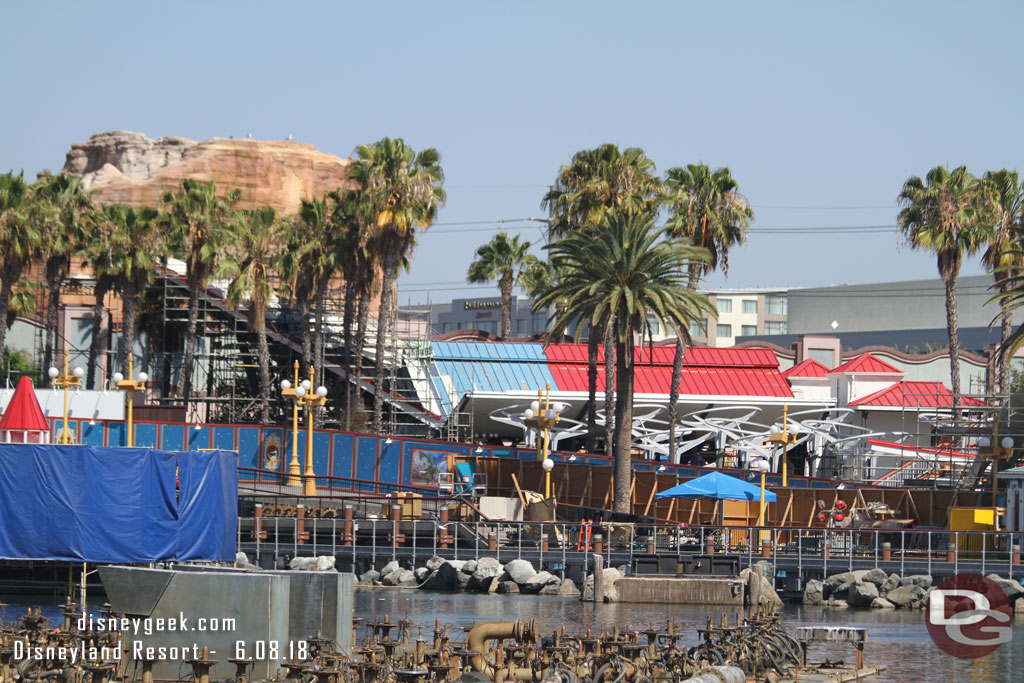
(499, 258)
(16, 363)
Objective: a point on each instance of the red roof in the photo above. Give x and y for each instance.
(23, 412)
(806, 368)
(706, 371)
(866, 363)
(914, 395)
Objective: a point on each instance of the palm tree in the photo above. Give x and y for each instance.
(622, 273)
(705, 207)
(135, 246)
(595, 182)
(198, 220)
(403, 192)
(943, 214)
(66, 213)
(99, 256)
(320, 259)
(1006, 192)
(506, 261)
(19, 238)
(257, 235)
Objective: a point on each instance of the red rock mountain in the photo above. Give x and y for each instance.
(130, 168)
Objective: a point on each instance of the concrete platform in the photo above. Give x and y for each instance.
(696, 590)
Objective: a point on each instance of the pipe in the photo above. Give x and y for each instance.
(719, 674)
(476, 641)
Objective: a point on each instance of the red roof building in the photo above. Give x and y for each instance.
(866, 364)
(911, 394)
(809, 368)
(23, 421)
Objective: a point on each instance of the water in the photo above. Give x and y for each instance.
(897, 639)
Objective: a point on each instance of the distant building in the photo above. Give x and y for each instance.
(482, 313)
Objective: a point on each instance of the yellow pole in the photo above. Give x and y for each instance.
(309, 485)
(547, 443)
(785, 444)
(760, 514)
(997, 450)
(131, 393)
(65, 435)
(294, 469)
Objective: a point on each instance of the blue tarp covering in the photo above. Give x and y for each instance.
(92, 504)
(717, 485)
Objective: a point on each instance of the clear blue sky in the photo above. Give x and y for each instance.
(821, 110)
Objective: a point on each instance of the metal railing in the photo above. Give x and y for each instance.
(819, 550)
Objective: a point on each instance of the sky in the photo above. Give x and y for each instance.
(820, 110)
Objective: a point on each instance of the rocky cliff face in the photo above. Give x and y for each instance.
(130, 168)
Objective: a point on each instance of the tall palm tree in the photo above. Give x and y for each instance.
(506, 261)
(595, 182)
(1006, 192)
(199, 221)
(623, 273)
(67, 220)
(19, 238)
(944, 215)
(403, 192)
(706, 208)
(135, 246)
(257, 235)
(99, 256)
(321, 260)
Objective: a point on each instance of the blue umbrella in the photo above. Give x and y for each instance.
(718, 486)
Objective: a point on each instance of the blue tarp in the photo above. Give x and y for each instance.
(92, 504)
(717, 485)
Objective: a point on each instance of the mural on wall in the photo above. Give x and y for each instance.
(427, 464)
(271, 451)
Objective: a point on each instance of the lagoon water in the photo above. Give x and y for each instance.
(896, 638)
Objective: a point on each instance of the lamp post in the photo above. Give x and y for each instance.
(542, 414)
(995, 449)
(306, 396)
(762, 466)
(782, 435)
(65, 381)
(130, 386)
(288, 391)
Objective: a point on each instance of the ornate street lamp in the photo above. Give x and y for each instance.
(782, 435)
(995, 449)
(65, 381)
(542, 414)
(288, 391)
(130, 386)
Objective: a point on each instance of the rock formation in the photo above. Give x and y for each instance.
(130, 168)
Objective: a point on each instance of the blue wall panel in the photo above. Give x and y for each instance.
(145, 435)
(173, 437)
(342, 464)
(198, 438)
(321, 457)
(390, 460)
(224, 438)
(248, 451)
(366, 458)
(117, 434)
(92, 434)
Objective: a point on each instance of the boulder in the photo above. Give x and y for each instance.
(908, 597)
(434, 562)
(839, 584)
(568, 589)
(892, 582)
(862, 593)
(875, 576)
(1012, 589)
(494, 583)
(457, 565)
(882, 603)
(764, 568)
(536, 582)
(837, 604)
(369, 577)
(462, 581)
(920, 580)
(508, 587)
(324, 563)
(550, 589)
(444, 578)
(760, 590)
(486, 568)
(520, 571)
(611, 575)
(391, 566)
(302, 563)
(421, 573)
(399, 577)
(241, 558)
(469, 567)
(812, 593)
